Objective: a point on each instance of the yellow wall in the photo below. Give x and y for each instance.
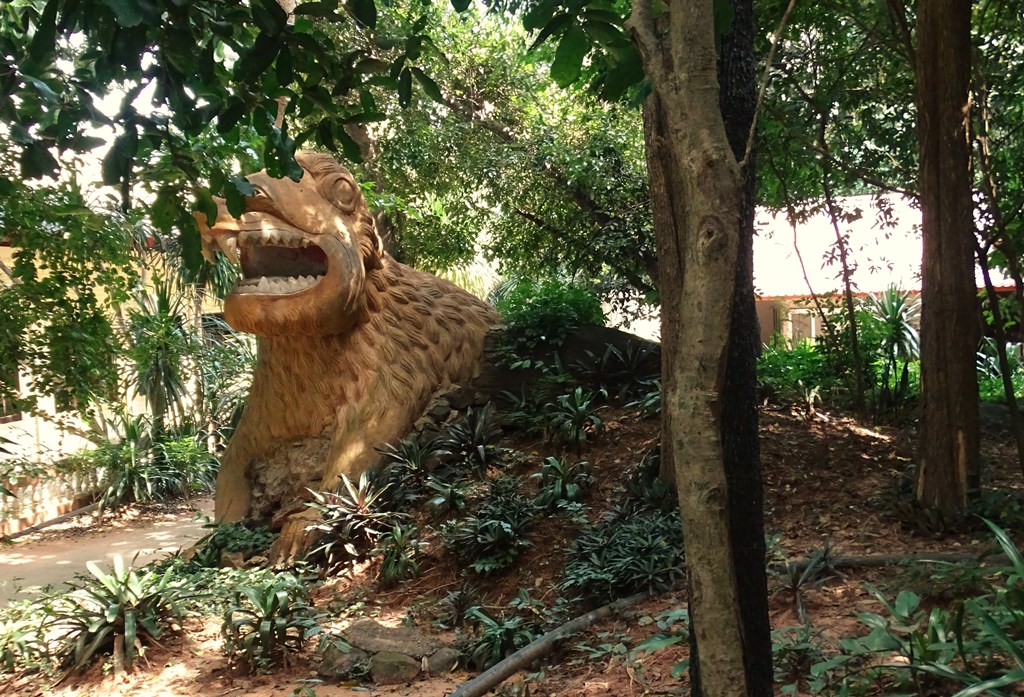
(39, 440)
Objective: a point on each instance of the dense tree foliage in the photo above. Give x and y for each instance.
(71, 270)
(547, 179)
(521, 138)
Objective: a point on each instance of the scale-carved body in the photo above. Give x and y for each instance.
(352, 344)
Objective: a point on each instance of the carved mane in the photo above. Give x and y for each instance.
(320, 405)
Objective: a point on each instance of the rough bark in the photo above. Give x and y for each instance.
(699, 197)
(948, 448)
(739, 425)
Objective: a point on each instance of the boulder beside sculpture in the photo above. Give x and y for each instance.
(352, 344)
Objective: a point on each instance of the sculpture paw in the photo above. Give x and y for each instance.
(295, 538)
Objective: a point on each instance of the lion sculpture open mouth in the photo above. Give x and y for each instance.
(352, 344)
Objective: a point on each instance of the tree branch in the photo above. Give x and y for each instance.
(764, 83)
(645, 35)
(497, 674)
(899, 14)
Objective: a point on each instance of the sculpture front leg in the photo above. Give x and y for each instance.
(231, 502)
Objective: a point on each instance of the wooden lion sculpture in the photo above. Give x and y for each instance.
(352, 344)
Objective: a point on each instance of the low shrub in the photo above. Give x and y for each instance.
(572, 418)
(543, 313)
(971, 648)
(268, 624)
(194, 467)
(561, 481)
(234, 538)
(115, 613)
(492, 538)
(352, 521)
(792, 373)
(23, 645)
(473, 440)
(494, 638)
(626, 555)
(399, 552)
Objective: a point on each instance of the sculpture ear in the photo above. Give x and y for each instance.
(371, 247)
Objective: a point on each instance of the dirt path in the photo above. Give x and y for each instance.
(53, 556)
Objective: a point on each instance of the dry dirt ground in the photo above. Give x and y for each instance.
(828, 480)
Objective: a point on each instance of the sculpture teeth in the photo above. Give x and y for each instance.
(277, 285)
(229, 245)
(274, 237)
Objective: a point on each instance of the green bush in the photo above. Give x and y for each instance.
(269, 623)
(23, 644)
(561, 481)
(493, 537)
(494, 638)
(399, 551)
(648, 399)
(975, 647)
(542, 313)
(474, 439)
(353, 518)
(406, 468)
(232, 537)
(990, 374)
(453, 607)
(620, 557)
(792, 373)
(572, 417)
(116, 612)
(620, 373)
(191, 462)
(145, 465)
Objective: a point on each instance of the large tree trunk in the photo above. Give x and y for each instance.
(741, 455)
(948, 448)
(701, 205)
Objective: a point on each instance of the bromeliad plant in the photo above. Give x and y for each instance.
(560, 481)
(353, 519)
(119, 612)
(571, 417)
(407, 466)
(446, 496)
(269, 623)
(619, 373)
(399, 551)
(494, 638)
(649, 399)
(474, 441)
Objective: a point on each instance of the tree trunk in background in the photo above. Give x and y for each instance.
(948, 449)
(703, 218)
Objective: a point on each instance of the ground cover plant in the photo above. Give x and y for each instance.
(549, 563)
